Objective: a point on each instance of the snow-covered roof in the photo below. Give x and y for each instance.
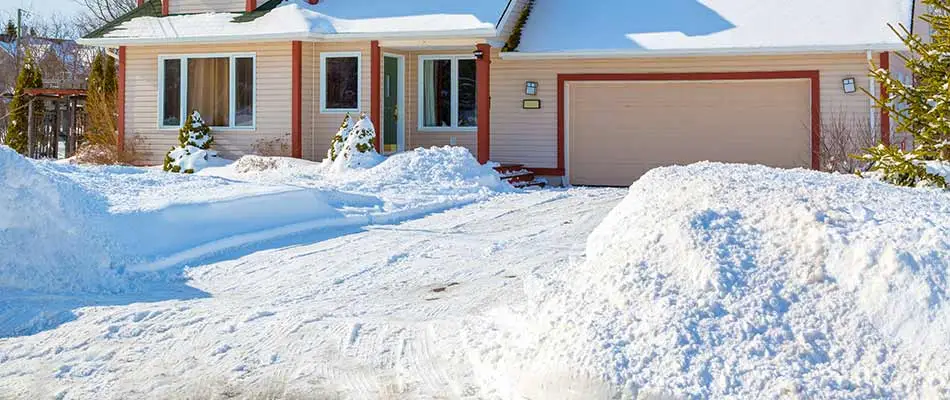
(327, 20)
(631, 27)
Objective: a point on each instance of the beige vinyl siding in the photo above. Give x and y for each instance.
(419, 138)
(319, 127)
(310, 102)
(272, 101)
(204, 6)
(530, 136)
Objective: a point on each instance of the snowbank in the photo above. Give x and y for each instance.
(416, 181)
(88, 219)
(49, 237)
(718, 280)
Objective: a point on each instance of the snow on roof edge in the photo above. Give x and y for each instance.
(875, 47)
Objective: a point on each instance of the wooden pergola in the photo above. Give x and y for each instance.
(62, 116)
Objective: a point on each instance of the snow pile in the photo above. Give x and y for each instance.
(49, 238)
(939, 168)
(410, 183)
(718, 281)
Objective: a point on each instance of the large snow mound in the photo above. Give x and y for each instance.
(49, 237)
(720, 280)
(421, 179)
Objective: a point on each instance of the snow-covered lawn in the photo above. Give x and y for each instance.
(375, 313)
(709, 280)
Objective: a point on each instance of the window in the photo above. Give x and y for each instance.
(448, 93)
(220, 87)
(340, 80)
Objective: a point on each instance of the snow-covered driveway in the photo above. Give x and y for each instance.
(374, 313)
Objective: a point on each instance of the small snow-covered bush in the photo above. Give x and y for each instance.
(352, 147)
(193, 150)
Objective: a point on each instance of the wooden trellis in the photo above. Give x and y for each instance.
(55, 116)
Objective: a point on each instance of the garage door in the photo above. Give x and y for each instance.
(620, 130)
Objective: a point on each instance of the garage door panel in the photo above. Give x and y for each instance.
(620, 130)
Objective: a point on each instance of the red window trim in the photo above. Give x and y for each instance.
(813, 76)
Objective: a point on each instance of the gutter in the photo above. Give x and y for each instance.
(726, 51)
(294, 36)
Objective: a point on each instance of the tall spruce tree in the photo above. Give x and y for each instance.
(30, 77)
(921, 109)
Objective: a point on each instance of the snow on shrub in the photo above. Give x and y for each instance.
(352, 146)
(192, 152)
(49, 237)
(722, 281)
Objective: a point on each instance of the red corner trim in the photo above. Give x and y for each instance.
(483, 89)
(885, 114)
(165, 7)
(375, 92)
(120, 99)
(297, 100)
(813, 76)
(250, 5)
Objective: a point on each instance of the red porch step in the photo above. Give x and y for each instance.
(518, 176)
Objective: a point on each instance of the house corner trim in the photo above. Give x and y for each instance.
(483, 88)
(297, 99)
(375, 91)
(885, 113)
(120, 99)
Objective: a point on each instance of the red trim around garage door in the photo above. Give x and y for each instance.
(813, 76)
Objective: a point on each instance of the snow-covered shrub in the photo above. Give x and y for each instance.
(193, 150)
(353, 147)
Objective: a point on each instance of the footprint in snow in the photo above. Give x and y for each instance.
(258, 315)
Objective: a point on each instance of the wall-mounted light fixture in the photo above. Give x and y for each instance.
(850, 86)
(478, 53)
(531, 88)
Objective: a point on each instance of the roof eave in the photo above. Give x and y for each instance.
(725, 51)
(481, 33)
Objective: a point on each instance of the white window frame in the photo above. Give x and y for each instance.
(323, 81)
(454, 58)
(184, 89)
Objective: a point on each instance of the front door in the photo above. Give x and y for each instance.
(392, 104)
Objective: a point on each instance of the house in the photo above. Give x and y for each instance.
(595, 92)
(64, 62)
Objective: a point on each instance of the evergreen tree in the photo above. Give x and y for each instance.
(194, 144)
(10, 29)
(924, 107)
(101, 105)
(30, 77)
(336, 145)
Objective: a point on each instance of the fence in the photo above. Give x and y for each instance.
(56, 124)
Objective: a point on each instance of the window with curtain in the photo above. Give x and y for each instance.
(448, 93)
(341, 82)
(437, 88)
(209, 89)
(171, 90)
(220, 88)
